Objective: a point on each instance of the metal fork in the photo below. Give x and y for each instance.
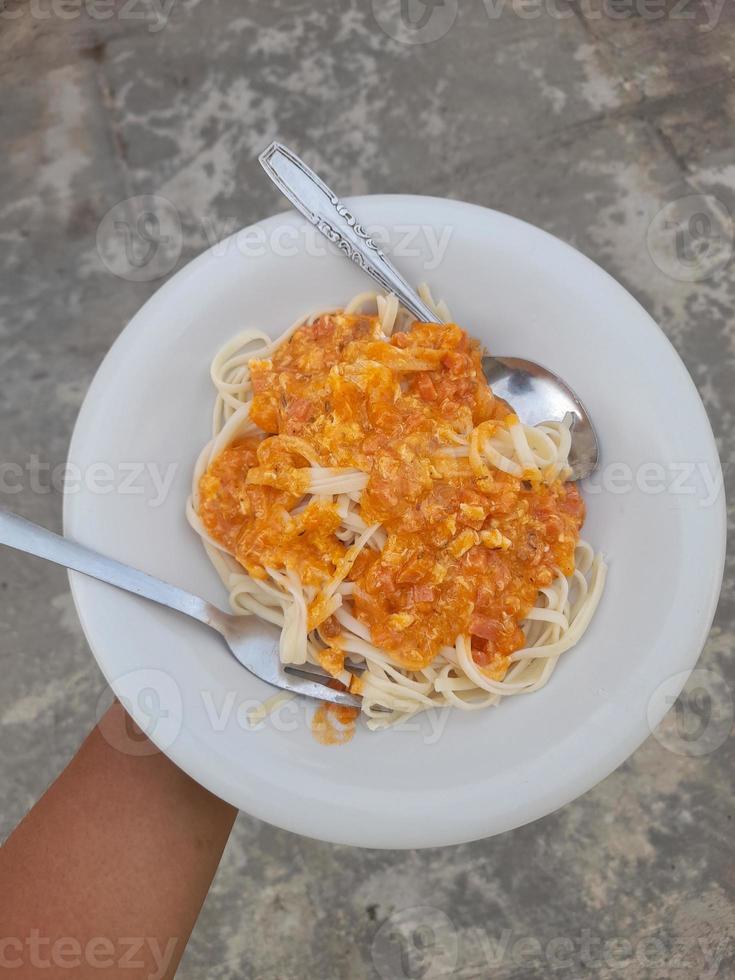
(254, 645)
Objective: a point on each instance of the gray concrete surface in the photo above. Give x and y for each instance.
(586, 118)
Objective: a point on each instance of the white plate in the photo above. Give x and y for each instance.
(522, 292)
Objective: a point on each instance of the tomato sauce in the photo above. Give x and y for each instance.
(465, 553)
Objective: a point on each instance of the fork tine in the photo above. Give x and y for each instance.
(300, 685)
(314, 670)
(257, 650)
(311, 672)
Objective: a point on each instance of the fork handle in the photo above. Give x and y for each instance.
(321, 206)
(16, 532)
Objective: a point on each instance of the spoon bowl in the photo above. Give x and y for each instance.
(538, 395)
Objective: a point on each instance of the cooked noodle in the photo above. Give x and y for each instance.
(390, 692)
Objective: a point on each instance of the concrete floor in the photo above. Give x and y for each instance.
(584, 118)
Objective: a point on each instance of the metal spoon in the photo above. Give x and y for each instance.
(535, 393)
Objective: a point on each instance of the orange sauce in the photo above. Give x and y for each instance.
(334, 724)
(464, 553)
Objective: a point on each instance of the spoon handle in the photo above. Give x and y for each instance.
(321, 206)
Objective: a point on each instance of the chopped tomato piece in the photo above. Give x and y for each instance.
(426, 388)
(484, 626)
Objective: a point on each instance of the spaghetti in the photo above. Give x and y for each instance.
(365, 491)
